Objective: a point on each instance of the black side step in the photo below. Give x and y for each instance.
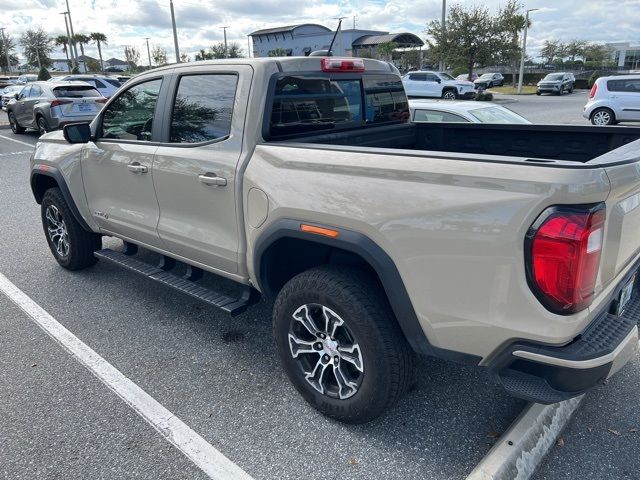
(233, 306)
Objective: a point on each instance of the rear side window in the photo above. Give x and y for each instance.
(437, 117)
(631, 85)
(420, 77)
(203, 108)
(36, 91)
(75, 91)
(314, 103)
(98, 83)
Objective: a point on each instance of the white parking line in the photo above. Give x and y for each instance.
(18, 141)
(192, 445)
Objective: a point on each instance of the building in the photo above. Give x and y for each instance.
(115, 64)
(301, 40)
(626, 55)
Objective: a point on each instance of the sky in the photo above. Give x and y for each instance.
(127, 22)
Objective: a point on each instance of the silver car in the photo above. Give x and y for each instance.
(46, 106)
(8, 93)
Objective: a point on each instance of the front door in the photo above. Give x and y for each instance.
(116, 168)
(194, 170)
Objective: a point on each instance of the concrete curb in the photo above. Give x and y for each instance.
(521, 449)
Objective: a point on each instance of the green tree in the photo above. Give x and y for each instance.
(203, 55)
(277, 52)
(99, 39)
(81, 39)
(93, 65)
(63, 41)
(234, 50)
(43, 74)
(7, 43)
(385, 50)
(597, 53)
(575, 48)
(37, 47)
(510, 23)
(184, 58)
(412, 59)
(469, 37)
(132, 56)
(159, 55)
(550, 50)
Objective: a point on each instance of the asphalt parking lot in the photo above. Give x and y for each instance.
(220, 376)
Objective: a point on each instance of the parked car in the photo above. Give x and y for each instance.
(512, 247)
(8, 93)
(462, 112)
(488, 80)
(45, 106)
(464, 77)
(106, 85)
(24, 79)
(436, 84)
(556, 83)
(614, 99)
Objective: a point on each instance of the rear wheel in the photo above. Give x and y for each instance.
(43, 126)
(340, 344)
(15, 126)
(71, 245)
(603, 116)
(449, 95)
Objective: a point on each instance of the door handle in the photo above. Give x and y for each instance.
(135, 167)
(212, 179)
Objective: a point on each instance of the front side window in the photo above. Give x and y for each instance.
(437, 117)
(24, 93)
(432, 77)
(130, 116)
(203, 108)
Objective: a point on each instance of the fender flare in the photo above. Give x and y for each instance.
(381, 263)
(41, 170)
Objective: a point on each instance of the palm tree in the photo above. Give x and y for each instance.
(99, 38)
(63, 41)
(81, 39)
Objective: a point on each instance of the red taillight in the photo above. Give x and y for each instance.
(55, 103)
(335, 64)
(593, 91)
(564, 254)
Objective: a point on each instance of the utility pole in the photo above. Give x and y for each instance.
(226, 52)
(148, 51)
(5, 40)
(175, 32)
(443, 29)
(74, 52)
(524, 48)
(70, 46)
(249, 46)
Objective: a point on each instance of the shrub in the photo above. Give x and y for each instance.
(594, 76)
(43, 74)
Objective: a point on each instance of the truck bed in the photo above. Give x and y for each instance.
(573, 143)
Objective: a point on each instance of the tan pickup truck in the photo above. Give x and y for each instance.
(512, 247)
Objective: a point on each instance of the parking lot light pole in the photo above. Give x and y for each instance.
(175, 32)
(148, 51)
(442, 65)
(74, 53)
(524, 48)
(70, 46)
(226, 52)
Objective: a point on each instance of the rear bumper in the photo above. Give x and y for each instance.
(548, 374)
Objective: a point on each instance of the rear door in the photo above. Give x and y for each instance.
(624, 95)
(414, 84)
(116, 168)
(194, 170)
(36, 95)
(19, 108)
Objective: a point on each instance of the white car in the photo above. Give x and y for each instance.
(462, 112)
(107, 86)
(614, 99)
(436, 84)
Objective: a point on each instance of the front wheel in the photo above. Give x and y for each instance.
(449, 95)
(602, 116)
(72, 246)
(15, 126)
(340, 344)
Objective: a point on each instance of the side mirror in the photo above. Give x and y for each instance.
(439, 81)
(77, 132)
(16, 96)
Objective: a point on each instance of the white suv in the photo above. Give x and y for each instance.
(107, 86)
(614, 99)
(436, 84)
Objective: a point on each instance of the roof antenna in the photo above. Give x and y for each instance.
(335, 35)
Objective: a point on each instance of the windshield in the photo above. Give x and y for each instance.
(486, 75)
(12, 88)
(554, 76)
(497, 115)
(445, 76)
